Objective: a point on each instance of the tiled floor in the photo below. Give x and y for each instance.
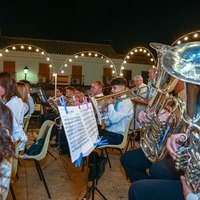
(67, 182)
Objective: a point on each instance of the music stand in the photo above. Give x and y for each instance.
(135, 131)
(95, 175)
(58, 151)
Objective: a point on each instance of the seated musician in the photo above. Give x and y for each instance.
(135, 162)
(117, 113)
(140, 101)
(164, 189)
(97, 89)
(53, 113)
(80, 94)
(70, 101)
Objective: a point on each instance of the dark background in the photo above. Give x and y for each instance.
(123, 23)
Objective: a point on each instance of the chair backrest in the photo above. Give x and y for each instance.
(26, 123)
(123, 144)
(15, 160)
(45, 133)
(124, 141)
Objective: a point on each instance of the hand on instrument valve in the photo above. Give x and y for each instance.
(186, 188)
(174, 142)
(162, 116)
(142, 117)
(107, 103)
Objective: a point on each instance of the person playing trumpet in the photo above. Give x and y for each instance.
(117, 113)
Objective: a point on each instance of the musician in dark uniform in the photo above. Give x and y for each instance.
(164, 189)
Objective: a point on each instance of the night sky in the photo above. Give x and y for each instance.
(123, 23)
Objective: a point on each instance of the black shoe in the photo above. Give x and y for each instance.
(54, 145)
(137, 138)
(64, 152)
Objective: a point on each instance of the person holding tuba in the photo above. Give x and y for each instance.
(136, 163)
(181, 61)
(118, 112)
(168, 189)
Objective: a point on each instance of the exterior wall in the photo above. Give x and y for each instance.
(92, 67)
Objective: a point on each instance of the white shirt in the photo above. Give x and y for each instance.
(119, 117)
(19, 109)
(31, 106)
(5, 172)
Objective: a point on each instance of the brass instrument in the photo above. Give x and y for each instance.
(183, 62)
(53, 105)
(155, 131)
(55, 102)
(130, 94)
(98, 102)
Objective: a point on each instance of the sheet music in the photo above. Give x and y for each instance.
(80, 128)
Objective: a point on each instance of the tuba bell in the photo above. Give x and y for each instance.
(155, 131)
(183, 62)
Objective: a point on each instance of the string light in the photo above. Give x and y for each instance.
(134, 52)
(188, 37)
(91, 54)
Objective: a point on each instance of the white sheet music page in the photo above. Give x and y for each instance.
(88, 116)
(80, 129)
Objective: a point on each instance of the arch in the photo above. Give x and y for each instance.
(133, 52)
(92, 54)
(188, 37)
(28, 48)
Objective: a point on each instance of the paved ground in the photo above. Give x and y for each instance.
(67, 182)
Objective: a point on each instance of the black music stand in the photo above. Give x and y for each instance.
(94, 175)
(58, 151)
(135, 132)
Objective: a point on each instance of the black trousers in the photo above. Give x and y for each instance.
(156, 190)
(111, 137)
(135, 164)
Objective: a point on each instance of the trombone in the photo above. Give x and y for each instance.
(131, 93)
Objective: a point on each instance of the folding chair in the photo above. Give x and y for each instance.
(44, 132)
(119, 147)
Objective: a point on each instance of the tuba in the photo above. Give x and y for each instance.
(155, 131)
(183, 62)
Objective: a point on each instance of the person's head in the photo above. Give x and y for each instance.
(152, 73)
(22, 88)
(59, 92)
(138, 80)
(97, 87)
(6, 126)
(8, 86)
(79, 93)
(118, 84)
(28, 85)
(70, 91)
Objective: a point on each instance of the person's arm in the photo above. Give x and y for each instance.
(173, 143)
(124, 109)
(31, 105)
(188, 192)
